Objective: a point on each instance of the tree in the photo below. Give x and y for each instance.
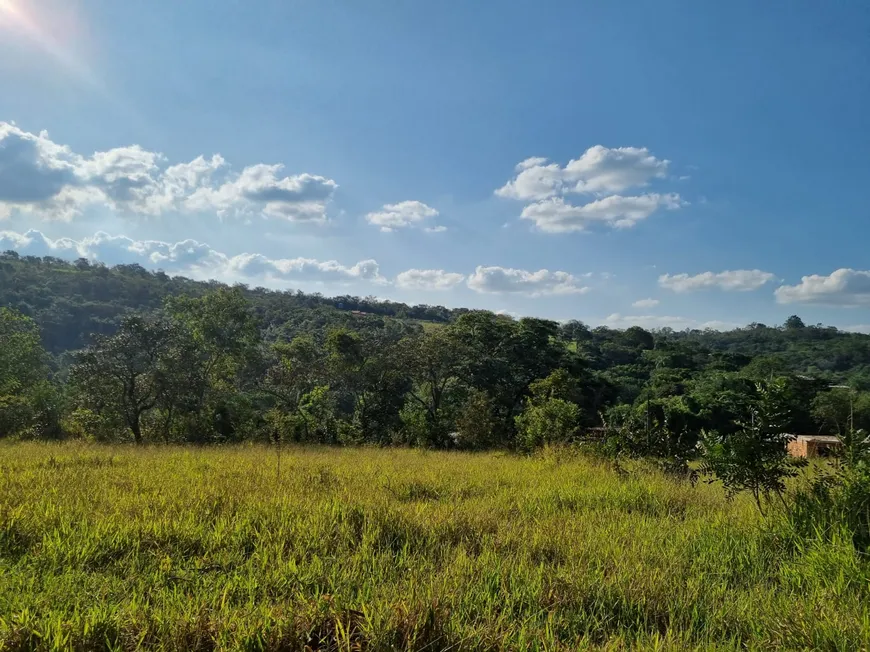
(794, 323)
(225, 341)
(638, 337)
(475, 422)
(295, 371)
(840, 410)
(754, 458)
(721, 400)
(27, 397)
(433, 362)
(575, 331)
(124, 376)
(504, 357)
(184, 384)
(548, 417)
(661, 428)
(225, 332)
(365, 372)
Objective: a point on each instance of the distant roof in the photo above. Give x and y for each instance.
(822, 439)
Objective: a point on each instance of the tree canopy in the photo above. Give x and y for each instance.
(126, 353)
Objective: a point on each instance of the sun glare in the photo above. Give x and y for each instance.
(7, 12)
(29, 24)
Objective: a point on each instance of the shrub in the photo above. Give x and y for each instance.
(660, 428)
(754, 458)
(476, 423)
(548, 421)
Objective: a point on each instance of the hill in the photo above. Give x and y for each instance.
(153, 356)
(73, 301)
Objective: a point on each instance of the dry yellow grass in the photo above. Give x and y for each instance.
(186, 548)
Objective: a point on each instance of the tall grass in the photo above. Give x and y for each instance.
(201, 549)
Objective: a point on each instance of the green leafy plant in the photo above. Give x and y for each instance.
(755, 457)
(548, 417)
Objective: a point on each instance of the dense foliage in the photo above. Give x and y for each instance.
(73, 301)
(127, 353)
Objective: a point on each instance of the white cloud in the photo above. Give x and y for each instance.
(599, 170)
(617, 320)
(740, 280)
(502, 280)
(435, 229)
(34, 169)
(41, 177)
(299, 198)
(531, 162)
(557, 216)
(113, 250)
(190, 257)
(303, 269)
(428, 279)
(534, 181)
(843, 287)
(38, 175)
(402, 215)
(645, 303)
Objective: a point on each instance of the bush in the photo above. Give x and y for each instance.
(86, 424)
(838, 503)
(660, 428)
(550, 421)
(476, 423)
(754, 458)
(834, 504)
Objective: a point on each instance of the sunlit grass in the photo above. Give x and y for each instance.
(183, 548)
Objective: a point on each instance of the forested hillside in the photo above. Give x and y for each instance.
(131, 353)
(72, 301)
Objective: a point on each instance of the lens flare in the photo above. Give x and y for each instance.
(17, 18)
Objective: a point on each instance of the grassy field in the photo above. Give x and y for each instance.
(182, 548)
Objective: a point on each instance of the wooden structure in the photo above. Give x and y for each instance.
(814, 445)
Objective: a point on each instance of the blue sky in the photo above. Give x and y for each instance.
(557, 159)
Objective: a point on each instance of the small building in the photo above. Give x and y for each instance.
(814, 446)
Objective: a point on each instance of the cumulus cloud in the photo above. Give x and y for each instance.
(599, 170)
(503, 280)
(602, 169)
(189, 257)
(115, 249)
(299, 198)
(32, 168)
(645, 303)
(536, 179)
(38, 175)
(428, 279)
(404, 214)
(739, 280)
(555, 215)
(843, 287)
(617, 320)
(303, 269)
(44, 178)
